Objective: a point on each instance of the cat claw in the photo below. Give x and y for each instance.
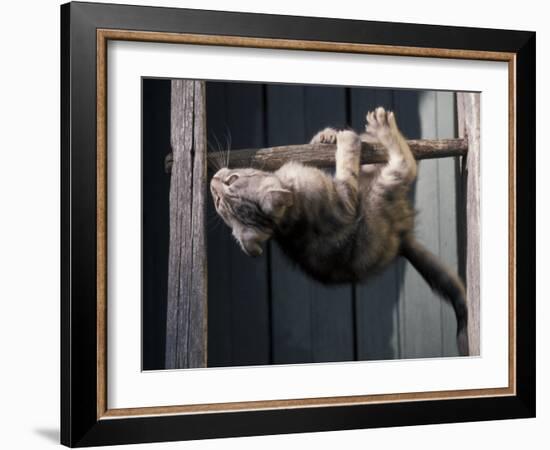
(379, 123)
(326, 136)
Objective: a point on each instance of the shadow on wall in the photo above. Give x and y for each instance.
(155, 219)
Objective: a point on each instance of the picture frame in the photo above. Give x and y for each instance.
(86, 28)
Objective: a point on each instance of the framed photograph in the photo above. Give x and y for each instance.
(277, 224)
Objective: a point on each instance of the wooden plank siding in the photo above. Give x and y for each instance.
(155, 219)
(375, 301)
(264, 310)
(238, 301)
(311, 322)
(186, 319)
(448, 210)
(434, 199)
(419, 306)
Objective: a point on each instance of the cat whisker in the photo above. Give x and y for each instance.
(218, 145)
(213, 150)
(220, 158)
(213, 156)
(220, 154)
(211, 147)
(213, 218)
(213, 223)
(211, 164)
(213, 161)
(228, 142)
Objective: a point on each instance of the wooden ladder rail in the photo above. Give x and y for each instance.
(322, 155)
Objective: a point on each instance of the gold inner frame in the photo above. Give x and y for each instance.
(103, 36)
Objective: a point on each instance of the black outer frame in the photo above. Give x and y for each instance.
(79, 424)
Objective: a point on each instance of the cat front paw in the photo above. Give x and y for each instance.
(348, 139)
(326, 136)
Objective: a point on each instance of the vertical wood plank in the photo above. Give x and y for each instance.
(218, 244)
(186, 302)
(468, 120)
(420, 308)
(291, 319)
(377, 320)
(311, 322)
(376, 299)
(198, 338)
(332, 308)
(448, 227)
(291, 299)
(238, 285)
(249, 285)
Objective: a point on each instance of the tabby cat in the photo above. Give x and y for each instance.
(340, 228)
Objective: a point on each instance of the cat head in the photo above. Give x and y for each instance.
(251, 202)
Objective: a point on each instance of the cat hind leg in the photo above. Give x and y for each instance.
(400, 170)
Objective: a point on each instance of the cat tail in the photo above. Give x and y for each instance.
(443, 281)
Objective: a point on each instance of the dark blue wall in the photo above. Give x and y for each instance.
(263, 310)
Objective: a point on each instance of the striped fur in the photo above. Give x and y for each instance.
(340, 228)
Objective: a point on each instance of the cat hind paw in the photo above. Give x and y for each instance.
(380, 124)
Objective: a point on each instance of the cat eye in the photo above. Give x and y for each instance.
(231, 178)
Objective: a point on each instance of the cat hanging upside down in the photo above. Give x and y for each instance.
(340, 228)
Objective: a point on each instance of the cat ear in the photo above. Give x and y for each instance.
(276, 200)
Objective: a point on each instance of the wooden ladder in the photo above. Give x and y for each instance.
(186, 334)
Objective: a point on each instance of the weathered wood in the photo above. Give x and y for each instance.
(322, 155)
(448, 215)
(311, 322)
(238, 286)
(290, 294)
(186, 303)
(420, 307)
(468, 120)
(376, 302)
